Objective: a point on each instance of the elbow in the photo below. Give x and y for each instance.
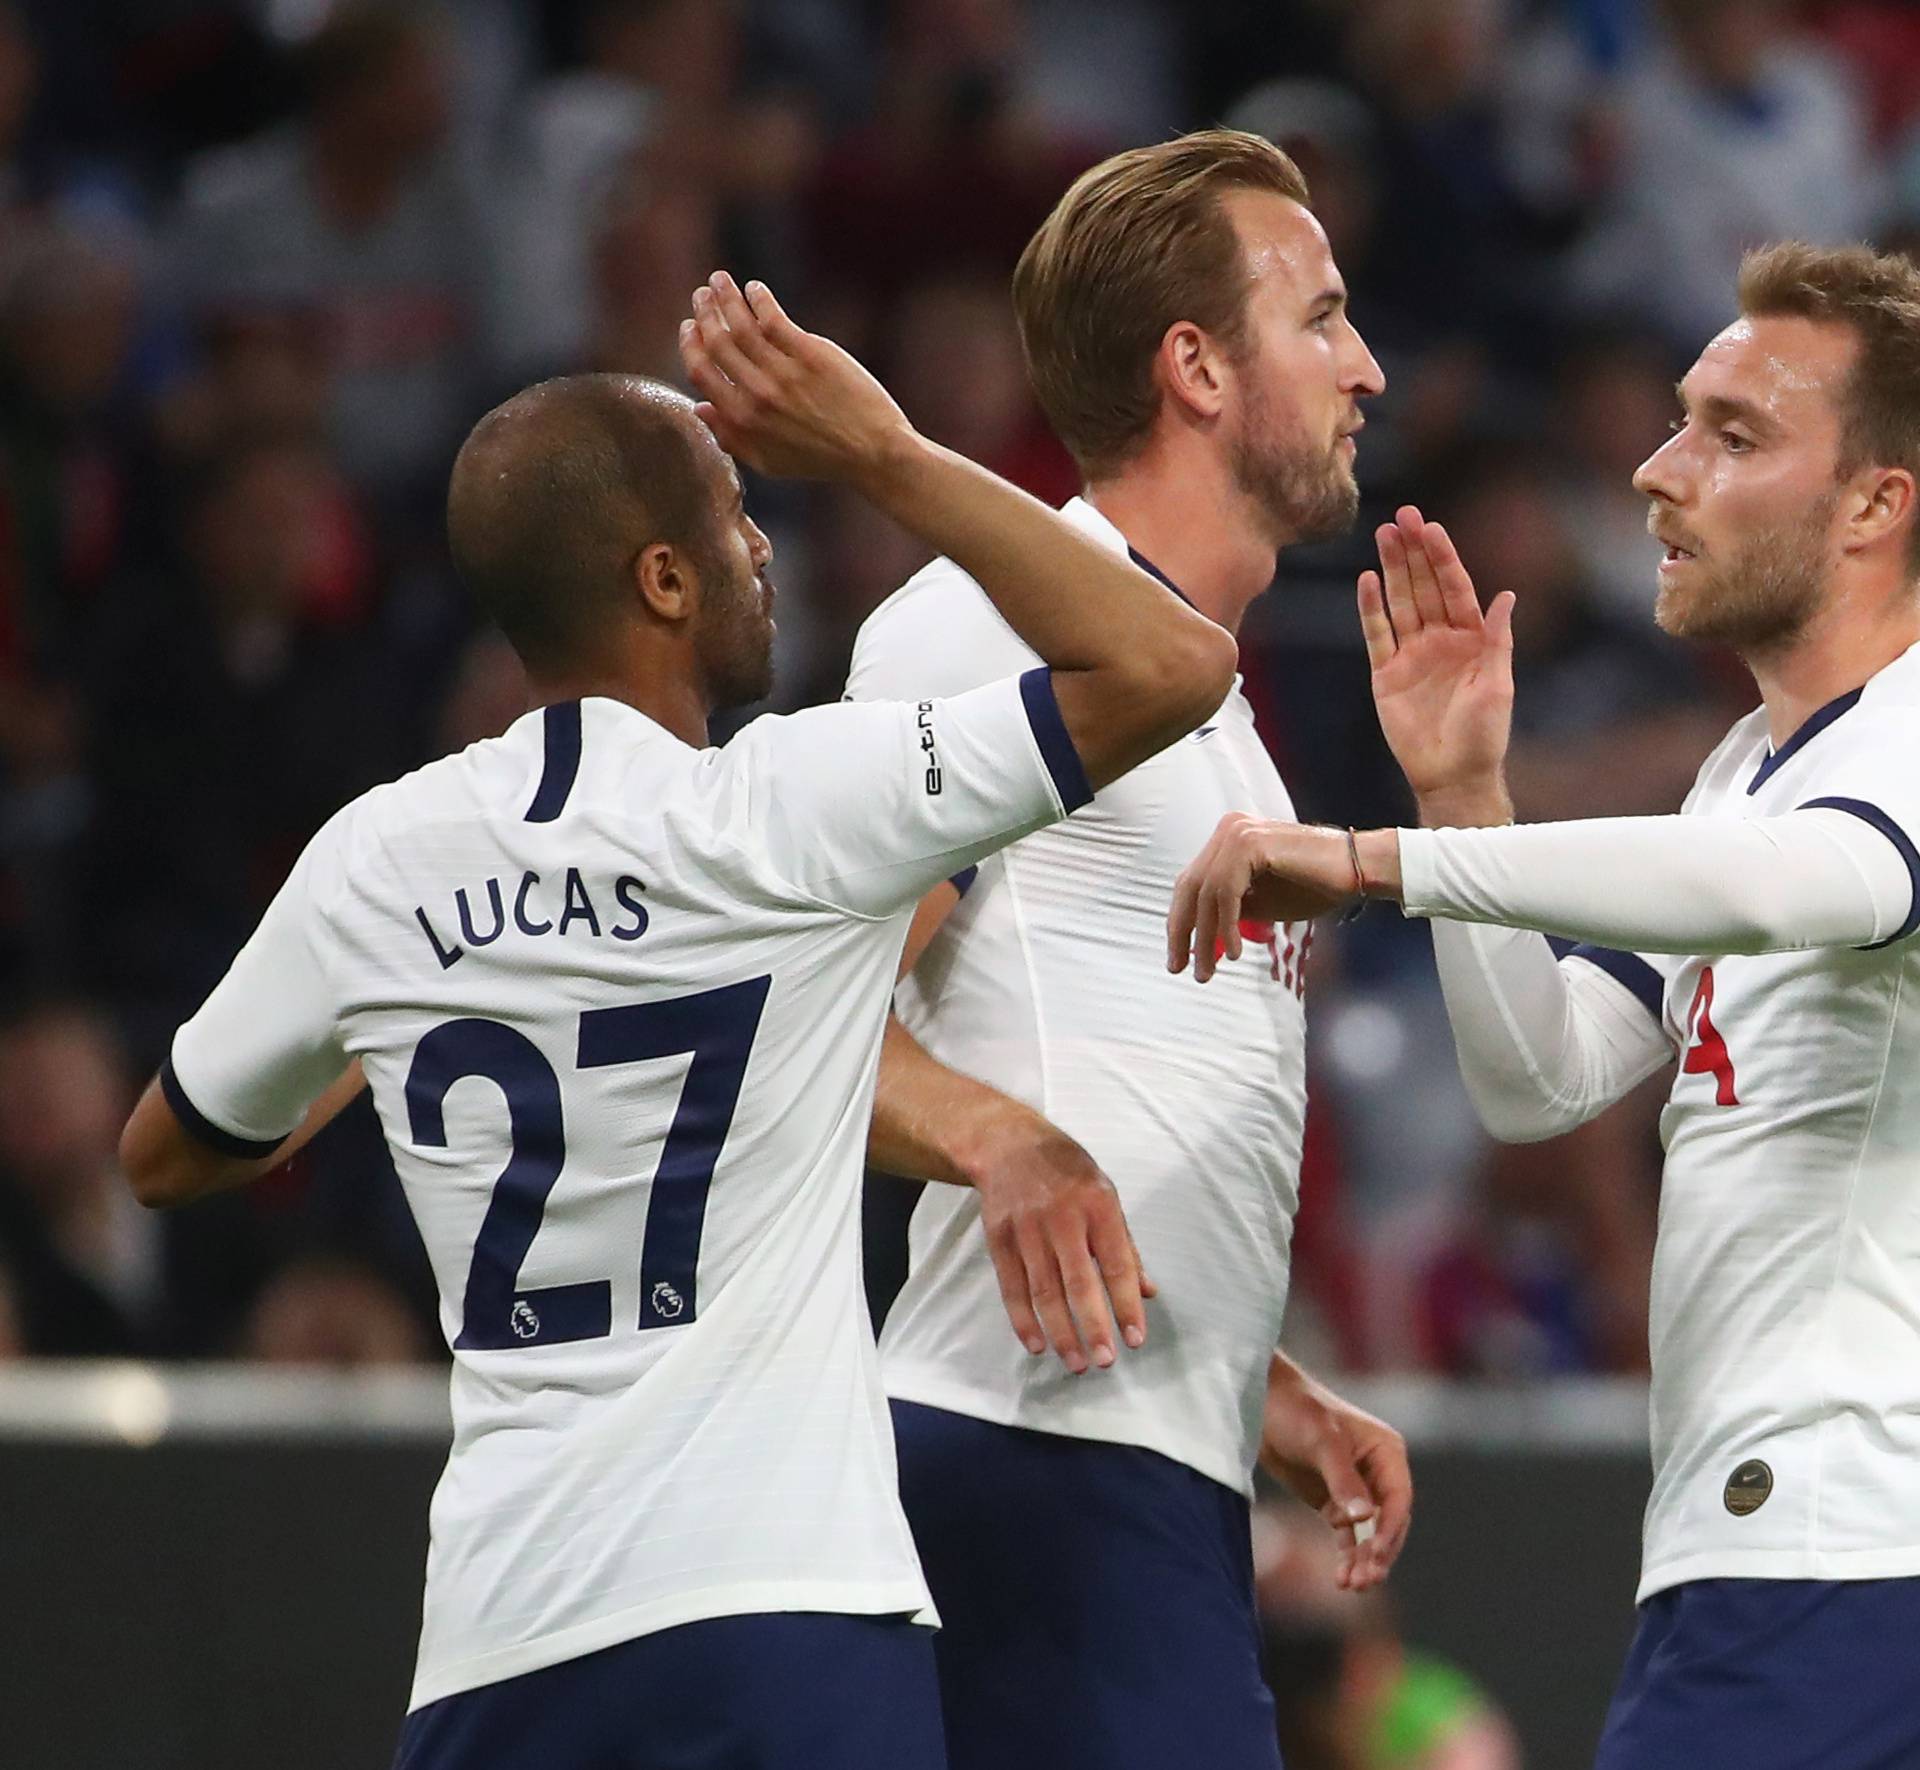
(157, 1182)
(1191, 675)
(1507, 1118)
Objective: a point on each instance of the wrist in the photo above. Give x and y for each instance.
(1378, 852)
(986, 1142)
(1467, 805)
(886, 470)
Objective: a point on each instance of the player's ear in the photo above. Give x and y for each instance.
(1192, 369)
(1885, 507)
(666, 580)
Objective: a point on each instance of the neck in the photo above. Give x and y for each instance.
(1851, 637)
(670, 701)
(1182, 510)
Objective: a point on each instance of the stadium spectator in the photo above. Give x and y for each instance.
(1773, 135)
(355, 218)
(332, 1311)
(84, 1261)
(1613, 401)
(657, 235)
(239, 703)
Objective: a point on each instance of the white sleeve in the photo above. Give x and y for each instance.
(1824, 875)
(264, 1045)
(1545, 1045)
(938, 635)
(868, 805)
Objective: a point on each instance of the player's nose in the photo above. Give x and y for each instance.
(1365, 378)
(1659, 475)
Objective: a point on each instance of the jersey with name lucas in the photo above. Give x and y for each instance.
(619, 1002)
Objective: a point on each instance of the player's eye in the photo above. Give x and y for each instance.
(1735, 443)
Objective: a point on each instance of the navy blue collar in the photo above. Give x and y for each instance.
(1815, 724)
(1153, 571)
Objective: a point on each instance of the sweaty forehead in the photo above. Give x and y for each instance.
(1792, 370)
(1282, 242)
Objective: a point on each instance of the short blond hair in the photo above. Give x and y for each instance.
(1137, 244)
(1876, 296)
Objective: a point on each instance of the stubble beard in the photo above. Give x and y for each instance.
(736, 644)
(1308, 493)
(1763, 597)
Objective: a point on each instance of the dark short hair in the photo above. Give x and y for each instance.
(1876, 296)
(1136, 245)
(555, 494)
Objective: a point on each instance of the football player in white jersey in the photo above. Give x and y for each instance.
(1761, 939)
(1083, 1522)
(619, 998)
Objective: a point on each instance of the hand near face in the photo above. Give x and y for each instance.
(1442, 671)
(786, 401)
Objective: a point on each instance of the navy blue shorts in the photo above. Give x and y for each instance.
(786, 1692)
(1096, 1601)
(1771, 1674)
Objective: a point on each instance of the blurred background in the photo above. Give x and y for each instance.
(262, 262)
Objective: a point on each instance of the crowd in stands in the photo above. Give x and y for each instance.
(262, 263)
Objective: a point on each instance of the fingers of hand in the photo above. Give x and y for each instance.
(1396, 581)
(1011, 1271)
(1086, 1292)
(1180, 914)
(1120, 1269)
(1390, 1478)
(773, 318)
(1500, 621)
(1375, 628)
(1456, 586)
(1047, 1287)
(724, 346)
(742, 323)
(1427, 600)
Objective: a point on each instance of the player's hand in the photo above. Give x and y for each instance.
(785, 401)
(1350, 1467)
(1069, 1273)
(1270, 872)
(1442, 671)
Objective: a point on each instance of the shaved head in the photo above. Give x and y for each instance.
(556, 493)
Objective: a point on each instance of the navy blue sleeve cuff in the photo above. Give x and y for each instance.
(962, 881)
(1056, 743)
(203, 1128)
(1872, 814)
(1648, 986)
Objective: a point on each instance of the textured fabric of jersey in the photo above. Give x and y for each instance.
(1049, 981)
(1785, 1310)
(619, 1002)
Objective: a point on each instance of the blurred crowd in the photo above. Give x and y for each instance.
(263, 262)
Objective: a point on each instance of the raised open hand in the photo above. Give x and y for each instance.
(1442, 671)
(784, 400)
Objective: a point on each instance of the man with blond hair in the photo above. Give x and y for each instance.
(1763, 939)
(1084, 1523)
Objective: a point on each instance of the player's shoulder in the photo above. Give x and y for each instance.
(938, 634)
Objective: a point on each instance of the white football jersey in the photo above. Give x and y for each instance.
(1049, 981)
(620, 1004)
(1786, 1284)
